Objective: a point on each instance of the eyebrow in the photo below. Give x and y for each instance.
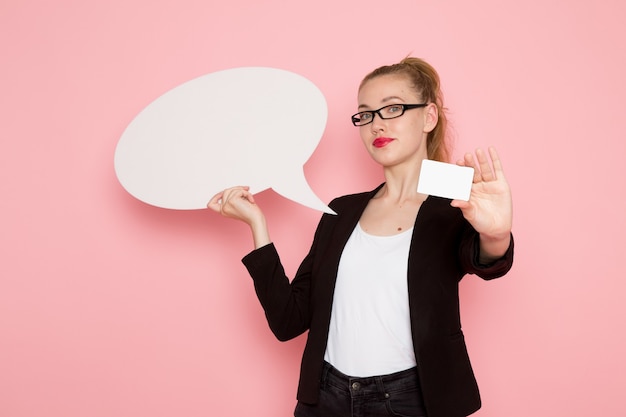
(384, 100)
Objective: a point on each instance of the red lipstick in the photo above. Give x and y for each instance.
(381, 142)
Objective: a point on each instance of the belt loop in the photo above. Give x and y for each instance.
(382, 394)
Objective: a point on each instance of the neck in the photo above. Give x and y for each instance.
(401, 183)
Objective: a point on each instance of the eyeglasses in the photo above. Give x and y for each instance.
(388, 112)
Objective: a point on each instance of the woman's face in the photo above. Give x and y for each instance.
(402, 139)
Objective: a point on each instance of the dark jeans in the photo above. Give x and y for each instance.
(396, 394)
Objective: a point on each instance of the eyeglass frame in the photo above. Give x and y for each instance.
(405, 107)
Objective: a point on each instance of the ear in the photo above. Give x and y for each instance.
(431, 117)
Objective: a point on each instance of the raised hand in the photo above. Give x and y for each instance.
(490, 208)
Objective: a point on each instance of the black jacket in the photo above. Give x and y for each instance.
(444, 248)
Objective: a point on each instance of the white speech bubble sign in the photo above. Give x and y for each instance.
(254, 126)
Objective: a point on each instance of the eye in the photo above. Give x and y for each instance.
(395, 108)
(365, 115)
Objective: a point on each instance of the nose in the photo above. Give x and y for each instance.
(377, 122)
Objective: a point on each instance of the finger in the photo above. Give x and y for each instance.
(227, 196)
(485, 169)
(215, 203)
(470, 162)
(216, 207)
(497, 164)
(216, 198)
(460, 204)
(247, 195)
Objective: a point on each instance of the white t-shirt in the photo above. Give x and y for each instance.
(370, 330)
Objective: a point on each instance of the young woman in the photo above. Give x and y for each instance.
(378, 290)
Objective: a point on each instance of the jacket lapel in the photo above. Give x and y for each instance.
(346, 220)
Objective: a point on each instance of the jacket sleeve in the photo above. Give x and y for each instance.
(470, 252)
(286, 304)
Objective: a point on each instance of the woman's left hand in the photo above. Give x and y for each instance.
(490, 207)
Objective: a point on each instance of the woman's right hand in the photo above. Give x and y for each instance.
(238, 203)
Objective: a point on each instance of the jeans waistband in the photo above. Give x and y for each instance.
(380, 384)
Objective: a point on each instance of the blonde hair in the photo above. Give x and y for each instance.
(425, 80)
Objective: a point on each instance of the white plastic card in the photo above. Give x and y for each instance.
(445, 180)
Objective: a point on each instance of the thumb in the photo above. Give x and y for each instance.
(460, 204)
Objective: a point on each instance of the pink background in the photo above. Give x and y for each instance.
(111, 307)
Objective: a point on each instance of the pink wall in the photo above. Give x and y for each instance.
(111, 307)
